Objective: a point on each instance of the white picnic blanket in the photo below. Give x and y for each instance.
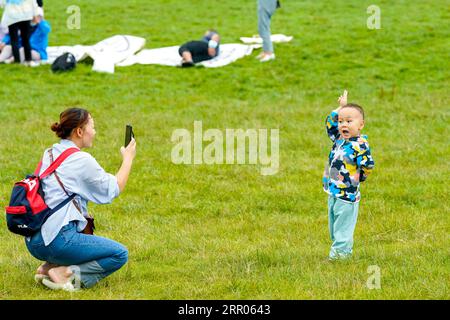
(168, 56)
(105, 53)
(277, 38)
(121, 50)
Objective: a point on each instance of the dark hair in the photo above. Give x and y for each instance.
(70, 119)
(355, 106)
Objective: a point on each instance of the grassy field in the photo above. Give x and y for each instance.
(226, 231)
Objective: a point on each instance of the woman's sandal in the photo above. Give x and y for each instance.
(38, 277)
(68, 286)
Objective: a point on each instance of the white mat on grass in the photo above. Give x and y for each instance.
(277, 38)
(105, 53)
(120, 50)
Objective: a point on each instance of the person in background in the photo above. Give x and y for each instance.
(200, 50)
(17, 16)
(3, 31)
(38, 42)
(266, 8)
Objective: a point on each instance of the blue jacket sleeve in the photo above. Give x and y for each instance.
(364, 161)
(6, 39)
(44, 27)
(332, 125)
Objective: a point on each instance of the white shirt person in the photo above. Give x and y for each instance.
(70, 255)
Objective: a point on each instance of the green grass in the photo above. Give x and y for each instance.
(225, 231)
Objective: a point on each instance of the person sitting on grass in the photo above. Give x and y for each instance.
(3, 32)
(200, 50)
(38, 42)
(349, 163)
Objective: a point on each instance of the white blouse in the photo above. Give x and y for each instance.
(80, 173)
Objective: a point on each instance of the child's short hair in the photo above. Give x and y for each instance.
(355, 106)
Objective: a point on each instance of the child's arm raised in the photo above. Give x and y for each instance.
(332, 119)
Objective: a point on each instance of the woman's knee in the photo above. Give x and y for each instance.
(121, 256)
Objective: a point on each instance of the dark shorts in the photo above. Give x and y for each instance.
(198, 50)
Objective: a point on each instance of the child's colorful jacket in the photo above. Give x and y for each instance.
(349, 163)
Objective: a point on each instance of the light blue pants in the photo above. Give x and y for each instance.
(266, 8)
(342, 218)
(90, 257)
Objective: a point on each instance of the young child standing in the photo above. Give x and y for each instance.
(349, 164)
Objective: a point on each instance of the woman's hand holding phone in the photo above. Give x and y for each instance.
(129, 152)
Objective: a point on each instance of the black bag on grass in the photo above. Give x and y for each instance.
(64, 62)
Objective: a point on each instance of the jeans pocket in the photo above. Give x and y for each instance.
(67, 233)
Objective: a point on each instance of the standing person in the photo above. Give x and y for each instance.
(266, 8)
(349, 164)
(17, 16)
(69, 254)
(38, 41)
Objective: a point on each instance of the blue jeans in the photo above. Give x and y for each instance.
(266, 8)
(342, 218)
(90, 257)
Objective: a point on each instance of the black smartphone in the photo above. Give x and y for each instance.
(128, 134)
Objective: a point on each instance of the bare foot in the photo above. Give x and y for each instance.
(61, 274)
(45, 267)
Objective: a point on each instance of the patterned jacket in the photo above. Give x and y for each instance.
(349, 163)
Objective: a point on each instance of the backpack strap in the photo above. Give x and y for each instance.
(55, 164)
(50, 153)
(62, 204)
(38, 169)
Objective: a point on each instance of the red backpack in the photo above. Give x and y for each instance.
(27, 210)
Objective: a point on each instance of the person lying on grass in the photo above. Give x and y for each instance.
(201, 50)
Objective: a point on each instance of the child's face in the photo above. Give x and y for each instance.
(350, 122)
